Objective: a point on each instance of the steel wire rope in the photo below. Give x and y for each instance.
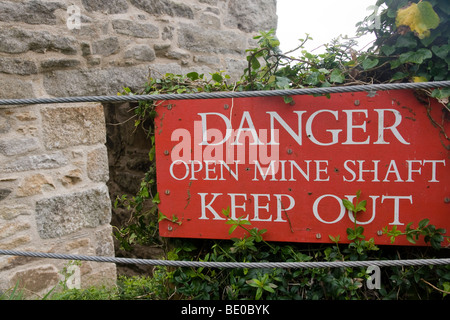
(250, 265)
(371, 88)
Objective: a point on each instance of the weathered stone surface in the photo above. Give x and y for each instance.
(11, 211)
(17, 146)
(205, 59)
(164, 7)
(252, 15)
(4, 121)
(105, 245)
(35, 184)
(138, 30)
(106, 47)
(178, 55)
(59, 63)
(95, 81)
(14, 242)
(141, 53)
(236, 66)
(26, 116)
(11, 88)
(17, 66)
(97, 164)
(197, 39)
(70, 125)
(12, 228)
(109, 7)
(14, 40)
(167, 33)
(66, 214)
(31, 12)
(210, 2)
(35, 162)
(4, 193)
(210, 21)
(72, 177)
(36, 279)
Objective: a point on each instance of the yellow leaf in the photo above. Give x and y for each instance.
(419, 17)
(419, 79)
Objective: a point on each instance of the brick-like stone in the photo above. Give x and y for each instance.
(65, 214)
(99, 81)
(105, 244)
(35, 184)
(97, 165)
(15, 40)
(31, 12)
(138, 30)
(4, 193)
(165, 7)
(36, 279)
(252, 16)
(72, 177)
(141, 53)
(18, 146)
(11, 211)
(12, 228)
(106, 47)
(71, 125)
(26, 116)
(199, 39)
(11, 88)
(108, 7)
(15, 242)
(35, 162)
(17, 66)
(59, 63)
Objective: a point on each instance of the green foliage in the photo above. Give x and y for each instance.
(434, 236)
(413, 42)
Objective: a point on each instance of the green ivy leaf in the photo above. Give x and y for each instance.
(441, 51)
(369, 63)
(336, 76)
(387, 50)
(415, 56)
(217, 77)
(193, 76)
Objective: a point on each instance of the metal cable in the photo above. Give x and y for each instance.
(231, 94)
(250, 265)
(219, 95)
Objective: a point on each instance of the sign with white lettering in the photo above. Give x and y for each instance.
(286, 168)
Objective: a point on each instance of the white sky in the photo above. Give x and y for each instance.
(324, 20)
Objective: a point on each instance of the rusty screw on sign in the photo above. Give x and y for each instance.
(167, 192)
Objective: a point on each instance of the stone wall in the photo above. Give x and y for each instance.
(53, 194)
(55, 188)
(119, 43)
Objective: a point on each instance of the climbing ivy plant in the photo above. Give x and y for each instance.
(412, 44)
